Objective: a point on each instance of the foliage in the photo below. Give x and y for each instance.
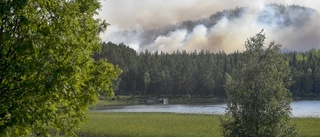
(163, 74)
(258, 100)
(48, 77)
(146, 81)
(203, 73)
(305, 74)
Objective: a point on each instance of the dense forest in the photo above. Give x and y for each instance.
(200, 73)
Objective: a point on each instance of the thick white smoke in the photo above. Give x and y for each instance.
(227, 34)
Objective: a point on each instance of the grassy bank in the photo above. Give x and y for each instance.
(169, 124)
(130, 100)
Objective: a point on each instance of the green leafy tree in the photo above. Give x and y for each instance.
(48, 77)
(258, 100)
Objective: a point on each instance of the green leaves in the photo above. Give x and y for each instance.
(258, 99)
(48, 77)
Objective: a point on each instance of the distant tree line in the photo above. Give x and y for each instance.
(200, 73)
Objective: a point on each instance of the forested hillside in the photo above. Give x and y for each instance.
(215, 30)
(200, 73)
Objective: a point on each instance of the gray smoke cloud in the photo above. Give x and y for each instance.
(148, 24)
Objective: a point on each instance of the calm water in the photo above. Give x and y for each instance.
(299, 109)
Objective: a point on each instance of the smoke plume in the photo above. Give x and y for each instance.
(208, 25)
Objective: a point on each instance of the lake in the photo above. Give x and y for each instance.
(299, 108)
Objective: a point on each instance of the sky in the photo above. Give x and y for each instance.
(226, 35)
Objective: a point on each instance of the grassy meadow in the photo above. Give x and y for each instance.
(101, 124)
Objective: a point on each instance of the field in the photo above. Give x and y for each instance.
(168, 125)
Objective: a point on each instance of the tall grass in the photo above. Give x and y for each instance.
(308, 127)
(103, 124)
(150, 125)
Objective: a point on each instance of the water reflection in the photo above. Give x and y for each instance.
(299, 109)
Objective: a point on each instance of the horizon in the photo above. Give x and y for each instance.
(227, 35)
